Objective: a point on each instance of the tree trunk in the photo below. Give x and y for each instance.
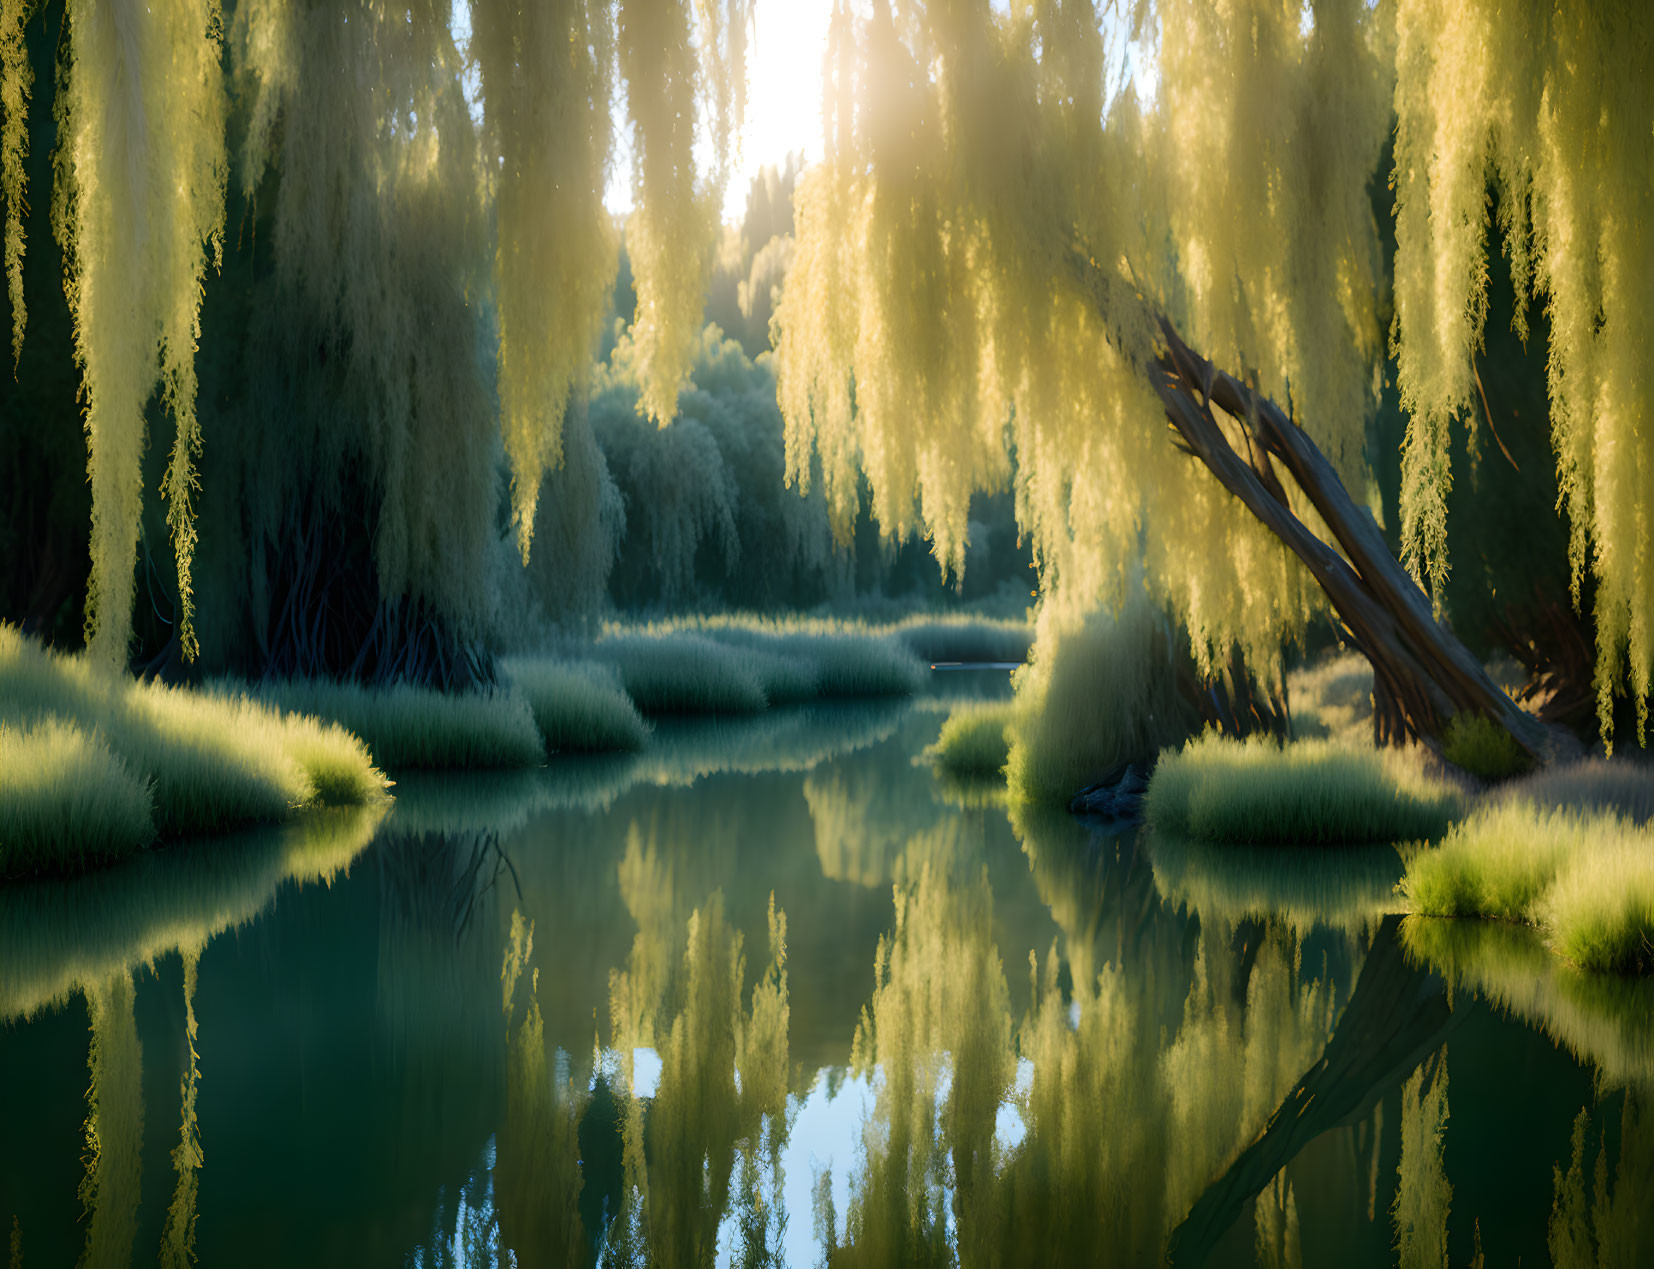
(1422, 674)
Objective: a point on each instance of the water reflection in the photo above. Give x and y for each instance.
(1604, 1220)
(777, 997)
(1605, 1020)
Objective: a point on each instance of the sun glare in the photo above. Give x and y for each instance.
(783, 112)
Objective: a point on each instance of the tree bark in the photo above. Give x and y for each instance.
(1422, 674)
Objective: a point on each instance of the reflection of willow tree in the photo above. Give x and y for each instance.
(60, 935)
(1604, 1020)
(1596, 1223)
(865, 809)
(721, 1099)
(439, 899)
(1423, 1193)
(88, 935)
(1137, 1095)
(111, 1189)
(937, 1031)
(178, 1238)
(537, 1171)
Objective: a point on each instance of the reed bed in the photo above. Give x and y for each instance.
(414, 727)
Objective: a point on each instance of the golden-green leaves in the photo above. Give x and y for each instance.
(972, 257)
(144, 138)
(546, 72)
(673, 229)
(1548, 110)
(16, 80)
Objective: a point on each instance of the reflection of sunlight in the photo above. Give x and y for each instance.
(826, 1140)
(646, 1069)
(1010, 1128)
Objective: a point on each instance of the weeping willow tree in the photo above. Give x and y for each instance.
(1010, 248)
(407, 209)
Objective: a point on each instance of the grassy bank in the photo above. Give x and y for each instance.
(97, 764)
(1310, 792)
(579, 706)
(1585, 879)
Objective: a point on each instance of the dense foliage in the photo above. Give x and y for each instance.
(349, 268)
(1000, 213)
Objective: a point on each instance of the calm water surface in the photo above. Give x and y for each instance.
(770, 994)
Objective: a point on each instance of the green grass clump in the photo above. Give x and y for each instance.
(1585, 879)
(712, 665)
(209, 759)
(827, 660)
(672, 673)
(1599, 912)
(973, 742)
(417, 727)
(1497, 863)
(579, 706)
(1483, 748)
(66, 801)
(1100, 691)
(965, 638)
(1310, 792)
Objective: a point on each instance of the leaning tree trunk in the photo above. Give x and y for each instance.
(1422, 674)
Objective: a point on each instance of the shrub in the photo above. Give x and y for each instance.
(964, 638)
(210, 759)
(683, 674)
(1586, 879)
(1483, 748)
(1099, 691)
(1309, 792)
(973, 741)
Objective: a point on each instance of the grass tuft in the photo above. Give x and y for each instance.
(673, 673)
(1311, 792)
(579, 706)
(67, 801)
(1100, 691)
(974, 742)
(965, 638)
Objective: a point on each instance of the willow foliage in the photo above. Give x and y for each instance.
(975, 256)
(673, 231)
(423, 259)
(545, 72)
(141, 211)
(969, 259)
(1548, 106)
(16, 81)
